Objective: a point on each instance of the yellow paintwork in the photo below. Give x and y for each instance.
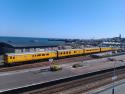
(104, 49)
(91, 50)
(29, 57)
(17, 58)
(70, 52)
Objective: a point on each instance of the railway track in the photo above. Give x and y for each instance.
(46, 63)
(81, 85)
(78, 84)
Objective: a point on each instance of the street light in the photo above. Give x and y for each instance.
(114, 77)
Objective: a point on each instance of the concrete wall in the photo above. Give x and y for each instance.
(20, 50)
(7, 50)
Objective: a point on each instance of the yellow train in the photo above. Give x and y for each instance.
(12, 58)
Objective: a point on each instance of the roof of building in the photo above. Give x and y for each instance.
(20, 42)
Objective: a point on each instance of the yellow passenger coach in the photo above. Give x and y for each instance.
(12, 58)
(69, 52)
(91, 50)
(17, 58)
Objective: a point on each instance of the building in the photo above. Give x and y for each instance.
(111, 44)
(117, 42)
(20, 44)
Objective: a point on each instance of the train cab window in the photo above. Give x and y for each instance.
(11, 57)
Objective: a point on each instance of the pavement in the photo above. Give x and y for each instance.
(119, 88)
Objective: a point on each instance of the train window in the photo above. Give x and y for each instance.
(66, 52)
(88, 50)
(47, 54)
(32, 55)
(69, 52)
(39, 55)
(43, 54)
(74, 51)
(63, 52)
(11, 57)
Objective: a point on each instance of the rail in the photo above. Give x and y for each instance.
(61, 85)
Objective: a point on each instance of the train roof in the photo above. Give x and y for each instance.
(93, 48)
(12, 54)
(105, 47)
(69, 49)
(79, 49)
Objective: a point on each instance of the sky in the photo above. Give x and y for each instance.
(82, 19)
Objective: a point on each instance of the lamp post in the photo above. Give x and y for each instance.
(114, 78)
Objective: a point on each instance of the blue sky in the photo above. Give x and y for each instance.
(62, 18)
